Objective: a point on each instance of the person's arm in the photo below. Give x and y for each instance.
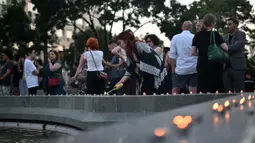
(110, 65)
(54, 67)
(240, 42)
(194, 51)
(173, 55)
(33, 69)
(220, 41)
(7, 73)
(81, 65)
(142, 47)
(120, 53)
(167, 61)
(126, 76)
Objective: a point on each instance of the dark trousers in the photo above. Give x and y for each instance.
(233, 80)
(210, 80)
(94, 84)
(32, 91)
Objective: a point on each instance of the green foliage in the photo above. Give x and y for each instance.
(173, 17)
(49, 18)
(15, 26)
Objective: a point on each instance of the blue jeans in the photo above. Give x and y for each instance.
(23, 87)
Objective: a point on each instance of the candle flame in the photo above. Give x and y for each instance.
(249, 97)
(234, 101)
(215, 106)
(242, 101)
(221, 108)
(160, 132)
(226, 103)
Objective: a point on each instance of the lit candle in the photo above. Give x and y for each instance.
(227, 104)
(234, 102)
(229, 92)
(221, 109)
(160, 132)
(249, 97)
(217, 92)
(190, 92)
(144, 94)
(242, 101)
(215, 106)
(241, 91)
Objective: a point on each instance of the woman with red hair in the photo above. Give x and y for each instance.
(93, 58)
(143, 63)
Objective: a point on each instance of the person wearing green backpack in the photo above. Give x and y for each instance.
(211, 50)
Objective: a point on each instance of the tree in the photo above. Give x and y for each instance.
(48, 19)
(15, 26)
(223, 9)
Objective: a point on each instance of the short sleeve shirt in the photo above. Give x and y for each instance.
(32, 80)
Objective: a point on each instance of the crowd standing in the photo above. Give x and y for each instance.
(138, 67)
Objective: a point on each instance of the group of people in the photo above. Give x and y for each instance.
(138, 66)
(24, 75)
(149, 69)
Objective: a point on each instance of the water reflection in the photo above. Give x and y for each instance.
(15, 135)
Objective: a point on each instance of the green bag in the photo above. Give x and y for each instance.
(216, 53)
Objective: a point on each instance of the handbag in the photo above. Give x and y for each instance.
(216, 53)
(82, 76)
(53, 81)
(101, 75)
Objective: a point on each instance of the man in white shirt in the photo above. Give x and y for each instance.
(183, 64)
(31, 73)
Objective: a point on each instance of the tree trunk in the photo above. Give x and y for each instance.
(74, 47)
(45, 49)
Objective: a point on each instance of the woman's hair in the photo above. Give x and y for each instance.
(209, 20)
(155, 40)
(55, 52)
(92, 43)
(130, 41)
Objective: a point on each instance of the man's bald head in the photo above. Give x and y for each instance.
(187, 25)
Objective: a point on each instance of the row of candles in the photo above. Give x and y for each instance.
(183, 122)
(227, 104)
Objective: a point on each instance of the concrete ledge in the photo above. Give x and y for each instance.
(105, 104)
(88, 112)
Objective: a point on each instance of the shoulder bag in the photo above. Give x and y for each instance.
(216, 53)
(101, 75)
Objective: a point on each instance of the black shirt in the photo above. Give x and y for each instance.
(202, 41)
(6, 81)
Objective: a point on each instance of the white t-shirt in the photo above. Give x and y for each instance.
(32, 80)
(98, 56)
